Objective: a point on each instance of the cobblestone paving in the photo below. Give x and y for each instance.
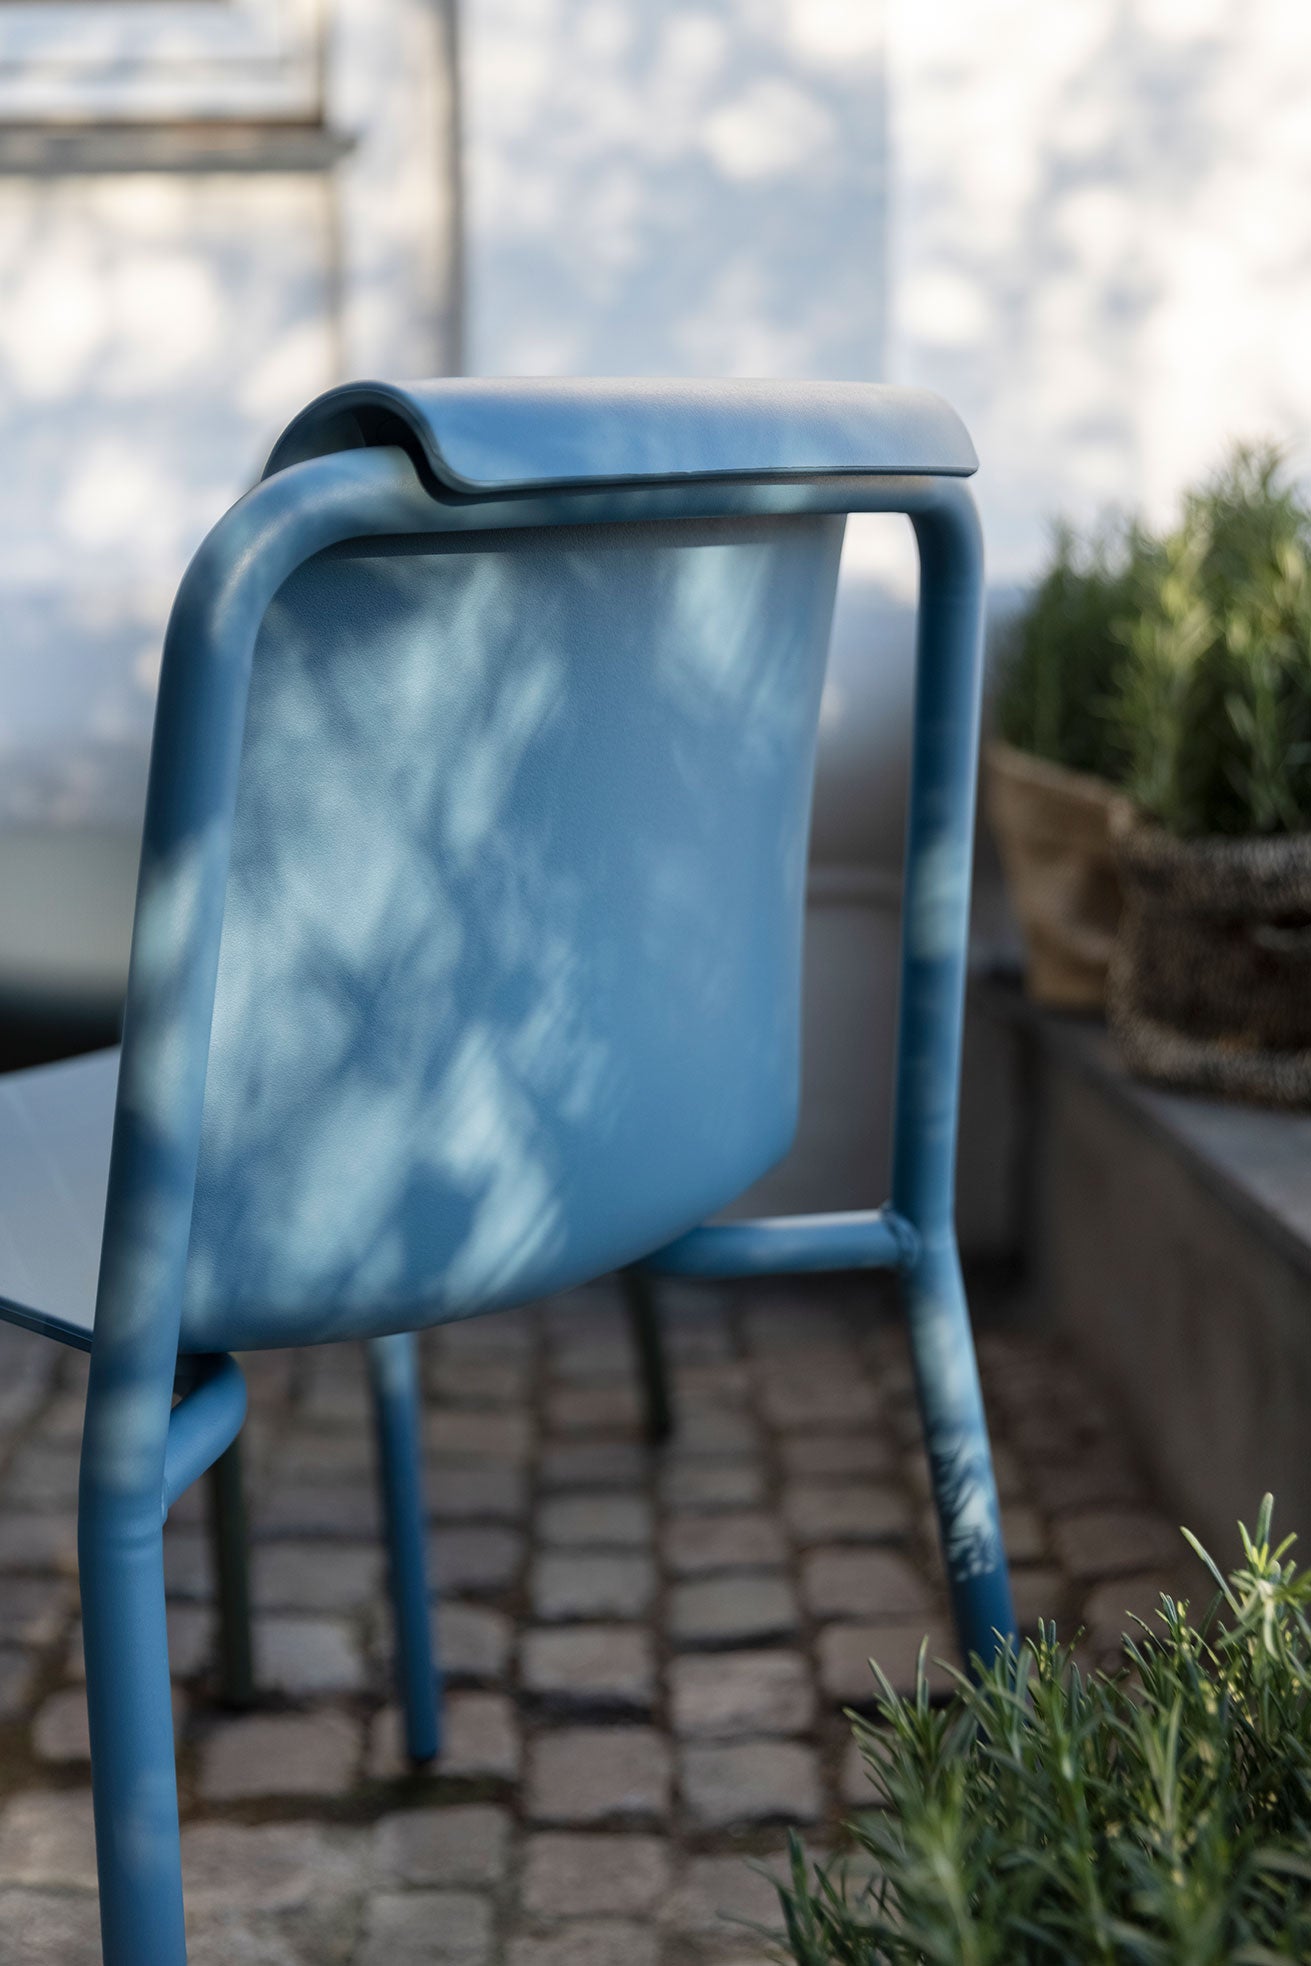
(648, 1652)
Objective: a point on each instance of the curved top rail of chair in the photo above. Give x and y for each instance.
(478, 435)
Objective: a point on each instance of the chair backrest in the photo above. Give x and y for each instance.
(509, 984)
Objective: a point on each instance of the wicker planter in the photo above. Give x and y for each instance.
(1211, 977)
(1052, 828)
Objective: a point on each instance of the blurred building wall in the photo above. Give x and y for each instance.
(1085, 223)
(208, 213)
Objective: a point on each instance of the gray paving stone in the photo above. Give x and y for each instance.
(863, 1583)
(292, 1576)
(845, 1651)
(699, 1545)
(304, 1658)
(317, 1508)
(482, 1558)
(43, 1475)
(725, 1695)
(17, 1674)
(612, 1408)
(595, 1774)
(1023, 1533)
(490, 1491)
(443, 1847)
(593, 1464)
(711, 1485)
(728, 1611)
(48, 1928)
(846, 1512)
(727, 1787)
(288, 1754)
(1043, 1593)
(44, 1542)
(595, 1521)
(578, 1876)
(590, 1667)
(839, 1396)
(1095, 1543)
(59, 1732)
(715, 1894)
(1100, 1477)
(427, 1928)
(33, 1609)
(481, 1736)
(47, 1838)
(713, 1432)
(592, 1585)
(304, 1875)
(478, 1379)
(459, 1433)
(838, 1457)
(473, 1641)
(588, 1942)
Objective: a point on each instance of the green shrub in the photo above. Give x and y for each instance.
(1159, 1816)
(1215, 694)
(1059, 682)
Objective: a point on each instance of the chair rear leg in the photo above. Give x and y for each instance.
(960, 1458)
(129, 1703)
(393, 1372)
(644, 1321)
(230, 1538)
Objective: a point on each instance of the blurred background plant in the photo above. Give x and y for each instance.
(1158, 1814)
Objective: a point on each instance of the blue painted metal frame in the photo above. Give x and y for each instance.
(138, 1451)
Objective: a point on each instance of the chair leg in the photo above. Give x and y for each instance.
(644, 1319)
(960, 1458)
(393, 1371)
(230, 1540)
(129, 1703)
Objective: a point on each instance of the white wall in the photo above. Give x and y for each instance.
(1085, 223)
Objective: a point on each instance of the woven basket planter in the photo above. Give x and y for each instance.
(1210, 983)
(1052, 828)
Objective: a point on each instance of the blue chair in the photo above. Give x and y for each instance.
(467, 955)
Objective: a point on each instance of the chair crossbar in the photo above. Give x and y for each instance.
(203, 1425)
(860, 1239)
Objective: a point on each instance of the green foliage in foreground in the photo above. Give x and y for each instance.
(1159, 1815)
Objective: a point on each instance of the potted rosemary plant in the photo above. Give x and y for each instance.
(1210, 981)
(1052, 769)
(1158, 1814)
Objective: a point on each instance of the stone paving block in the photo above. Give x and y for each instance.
(838, 1457)
(17, 1675)
(717, 1894)
(581, 1667)
(49, 1928)
(699, 1545)
(846, 1512)
(1105, 1476)
(507, 1334)
(59, 1732)
(862, 1583)
(712, 1485)
(845, 1651)
(32, 1609)
(577, 1876)
(595, 1521)
(475, 1559)
(271, 1754)
(1095, 1543)
(188, 1562)
(310, 1453)
(304, 1658)
(488, 1491)
(43, 1475)
(478, 1379)
(712, 1432)
(594, 1361)
(47, 1838)
(612, 1408)
(593, 1774)
(317, 1508)
(724, 1695)
(427, 1928)
(442, 1847)
(273, 1892)
(473, 1641)
(720, 1612)
(1043, 1593)
(726, 1787)
(459, 1433)
(593, 1464)
(592, 1585)
(292, 1576)
(1023, 1533)
(588, 1942)
(836, 1397)
(44, 1542)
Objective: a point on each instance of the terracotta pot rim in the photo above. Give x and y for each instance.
(1046, 772)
